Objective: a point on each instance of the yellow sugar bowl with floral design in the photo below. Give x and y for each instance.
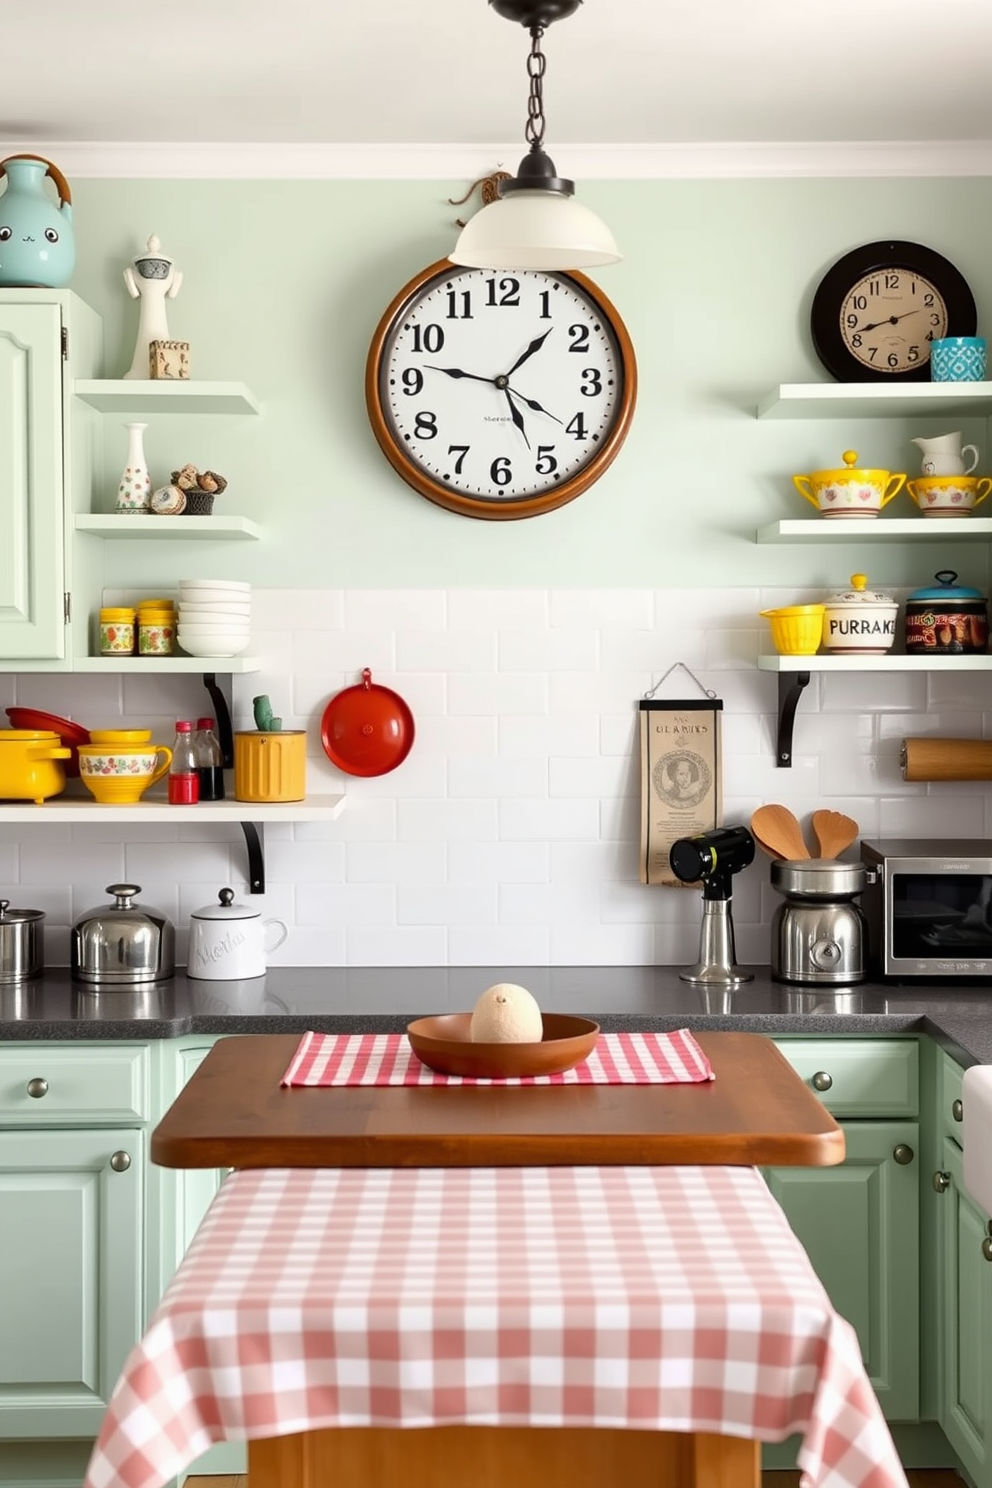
(850, 491)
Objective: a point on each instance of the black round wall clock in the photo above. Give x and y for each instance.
(500, 394)
(878, 308)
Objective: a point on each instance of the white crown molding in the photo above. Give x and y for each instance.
(114, 160)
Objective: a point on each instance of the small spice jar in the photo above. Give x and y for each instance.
(116, 631)
(946, 619)
(156, 630)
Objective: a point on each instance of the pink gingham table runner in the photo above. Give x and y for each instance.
(660, 1298)
(388, 1059)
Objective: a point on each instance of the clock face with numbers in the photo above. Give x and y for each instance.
(877, 310)
(500, 393)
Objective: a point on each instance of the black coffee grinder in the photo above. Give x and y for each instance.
(712, 858)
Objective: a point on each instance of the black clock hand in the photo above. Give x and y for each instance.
(517, 416)
(535, 345)
(533, 403)
(457, 372)
(892, 319)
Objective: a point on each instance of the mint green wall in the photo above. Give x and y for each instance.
(285, 282)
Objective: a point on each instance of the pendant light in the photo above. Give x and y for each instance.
(535, 224)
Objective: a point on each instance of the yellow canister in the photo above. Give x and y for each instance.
(270, 766)
(116, 631)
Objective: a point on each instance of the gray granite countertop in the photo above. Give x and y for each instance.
(364, 999)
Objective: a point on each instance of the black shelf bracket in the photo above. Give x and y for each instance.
(255, 842)
(222, 717)
(254, 831)
(790, 690)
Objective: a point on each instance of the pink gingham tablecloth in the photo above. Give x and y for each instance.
(387, 1059)
(669, 1298)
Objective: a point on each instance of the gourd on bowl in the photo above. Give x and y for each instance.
(849, 490)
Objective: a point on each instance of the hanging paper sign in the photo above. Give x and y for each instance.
(681, 779)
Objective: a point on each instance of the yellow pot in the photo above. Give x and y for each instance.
(270, 766)
(31, 765)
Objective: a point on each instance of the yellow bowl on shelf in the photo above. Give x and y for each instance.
(797, 630)
(116, 737)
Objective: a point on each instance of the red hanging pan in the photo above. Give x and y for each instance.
(367, 729)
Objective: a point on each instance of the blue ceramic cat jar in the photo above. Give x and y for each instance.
(37, 248)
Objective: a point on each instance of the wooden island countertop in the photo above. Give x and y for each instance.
(235, 1113)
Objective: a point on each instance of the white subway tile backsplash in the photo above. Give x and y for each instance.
(510, 834)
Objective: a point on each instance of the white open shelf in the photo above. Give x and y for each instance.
(157, 664)
(79, 811)
(885, 663)
(881, 529)
(185, 529)
(853, 400)
(166, 396)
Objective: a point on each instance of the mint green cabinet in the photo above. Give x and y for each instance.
(71, 1240)
(859, 1221)
(961, 1299)
(47, 465)
(73, 1157)
(966, 1303)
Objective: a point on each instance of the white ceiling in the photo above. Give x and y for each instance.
(453, 72)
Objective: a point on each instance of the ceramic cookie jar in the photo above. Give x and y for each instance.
(859, 621)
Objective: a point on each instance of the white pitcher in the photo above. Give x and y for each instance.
(944, 455)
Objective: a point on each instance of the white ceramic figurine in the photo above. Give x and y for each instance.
(151, 278)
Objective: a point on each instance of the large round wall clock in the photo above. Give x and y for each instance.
(500, 393)
(877, 309)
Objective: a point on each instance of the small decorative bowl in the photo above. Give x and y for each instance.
(797, 630)
(444, 1043)
(114, 738)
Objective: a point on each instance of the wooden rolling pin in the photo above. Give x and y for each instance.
(946, 759)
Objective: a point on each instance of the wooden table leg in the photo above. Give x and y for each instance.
(495, 1456)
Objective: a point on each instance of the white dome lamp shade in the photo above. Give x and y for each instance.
(535, 224)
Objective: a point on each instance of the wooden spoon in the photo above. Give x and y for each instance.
(834, 831)
(779, 832)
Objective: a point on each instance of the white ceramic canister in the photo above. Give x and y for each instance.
(229, 942)
(859, 620)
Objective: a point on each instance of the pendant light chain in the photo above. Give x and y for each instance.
(536, 65)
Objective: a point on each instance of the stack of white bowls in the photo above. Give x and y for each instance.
(214, 617)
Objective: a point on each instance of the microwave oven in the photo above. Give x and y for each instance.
(928, 909)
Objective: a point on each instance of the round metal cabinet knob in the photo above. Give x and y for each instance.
(957, 1110)
(903, 1154)
(941, 1181)
(37, 1088)
(987, 1248)
(120, 1161)
(822, 1081)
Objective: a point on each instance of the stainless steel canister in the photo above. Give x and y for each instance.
(123, 944)
(818, 933)
(22, 943)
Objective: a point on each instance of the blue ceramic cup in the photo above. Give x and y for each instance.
(958, 359)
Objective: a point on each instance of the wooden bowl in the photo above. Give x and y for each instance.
(444, 1043)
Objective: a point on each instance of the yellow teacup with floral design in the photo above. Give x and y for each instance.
(121, 775)
(949, 495)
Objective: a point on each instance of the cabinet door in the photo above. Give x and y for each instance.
(32, 575)
(858, 1223)
(70, 1276)
(966, 1332)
